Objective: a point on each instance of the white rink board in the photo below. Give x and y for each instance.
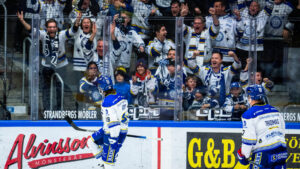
(135, 153)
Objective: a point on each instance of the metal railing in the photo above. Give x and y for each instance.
(62, 91)
(4, 51)
(24, 68)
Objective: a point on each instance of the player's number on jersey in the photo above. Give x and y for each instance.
(54, 59)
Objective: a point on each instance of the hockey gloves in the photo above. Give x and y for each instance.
(242, 159)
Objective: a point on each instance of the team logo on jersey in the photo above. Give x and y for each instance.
(273, 158)
(220, 37)
(279, 156)
(123, 46)
(249, 30)
(275, 22)
(172, 94)
(87, 53)
(96, 96)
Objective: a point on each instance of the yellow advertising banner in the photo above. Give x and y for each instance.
(218, 150)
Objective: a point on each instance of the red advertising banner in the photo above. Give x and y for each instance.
(45, 153)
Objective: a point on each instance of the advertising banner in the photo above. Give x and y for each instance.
(212, 150)
(65, 148)
(42, 147)
(218, 150)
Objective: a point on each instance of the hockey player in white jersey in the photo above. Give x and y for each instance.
(263, 133)
(107, 141)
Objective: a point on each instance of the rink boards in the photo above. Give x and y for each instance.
(185, 145)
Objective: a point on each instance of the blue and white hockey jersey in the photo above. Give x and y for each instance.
(200, 42)
(231, 101)
(167, 89)
(263, 129)
(54, 50)
(144, 90)
(218, 81)
(140, 20)
(226, 38)
(91, 90)
(85, 14)
(84, 51)
(52, 10)
(31, 8)
(158, 50)
(115, 115)
(279, 20)
(246, 27)
(124, 50)
(210, 78)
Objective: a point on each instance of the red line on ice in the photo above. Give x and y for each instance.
(159, 148)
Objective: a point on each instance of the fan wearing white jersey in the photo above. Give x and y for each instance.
(124, 38)
(216, 77)
(52, 9)
(158, 48)
(85, 45)
(107, 141)
(263, 133)
(278, 24)
(225, 41)
(198, 40)
(251, 25)
(54, 58)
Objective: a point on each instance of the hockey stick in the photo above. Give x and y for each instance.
(70, 121)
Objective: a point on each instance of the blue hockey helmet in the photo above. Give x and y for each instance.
(105, 83)
(256, 92)
(235, 84)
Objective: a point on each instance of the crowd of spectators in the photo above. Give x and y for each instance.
(218, 38)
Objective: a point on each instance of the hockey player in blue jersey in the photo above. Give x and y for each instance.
(263, 133)
(107, 141)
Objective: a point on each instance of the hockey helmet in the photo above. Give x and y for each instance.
(256, 92)
(105, 83)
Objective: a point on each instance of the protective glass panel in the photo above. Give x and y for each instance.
(56, 81)
(14, 54)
